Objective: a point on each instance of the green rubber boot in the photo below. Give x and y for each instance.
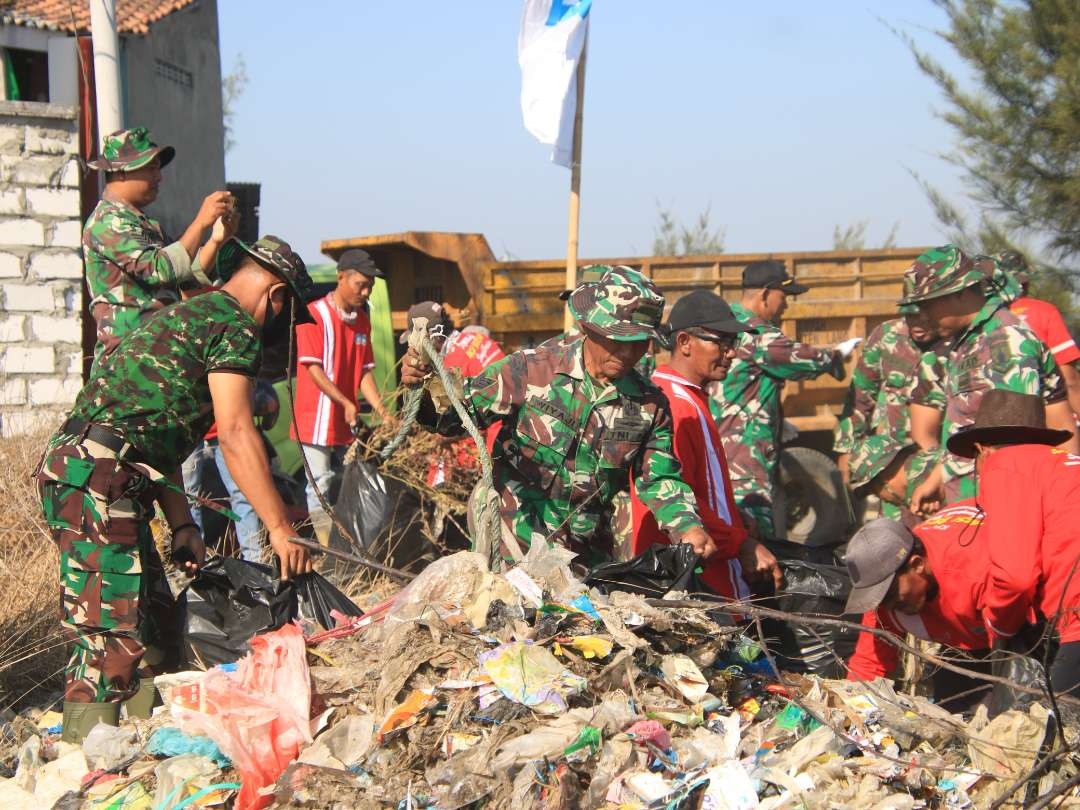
(79, 718)
(141, 704)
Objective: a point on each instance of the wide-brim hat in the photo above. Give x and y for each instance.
(129, 149)
(1006, 417)
(871, 457)
(942, 271)
(278, 257)
(623, 305)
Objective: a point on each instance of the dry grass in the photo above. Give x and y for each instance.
(32, 654)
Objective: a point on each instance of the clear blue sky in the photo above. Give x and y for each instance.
(383, 115)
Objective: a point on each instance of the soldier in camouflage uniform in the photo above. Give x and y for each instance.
(891, 469)
(878, 400)
(578, 421)
(987, 347)
(132, 270)
(747, 403)
(146, 406)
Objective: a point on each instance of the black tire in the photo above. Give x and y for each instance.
(811, 506)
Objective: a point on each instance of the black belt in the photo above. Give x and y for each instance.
(103, 435)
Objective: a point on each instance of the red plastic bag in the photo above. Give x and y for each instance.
(259, 715)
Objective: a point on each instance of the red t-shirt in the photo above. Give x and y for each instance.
(698, 447)
(956, 542)
(1045, 321)
(343, 349)
(1031, 496)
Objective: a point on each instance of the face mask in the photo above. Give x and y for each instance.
(274, 326)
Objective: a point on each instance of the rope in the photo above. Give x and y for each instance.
(486, 517)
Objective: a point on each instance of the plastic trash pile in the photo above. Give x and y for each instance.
(523, 690)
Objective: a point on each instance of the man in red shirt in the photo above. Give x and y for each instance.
(928, 583)
(1044, 319)
(702, 331)
(334, 361)
(1030, 493)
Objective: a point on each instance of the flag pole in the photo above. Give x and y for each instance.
(575, 185)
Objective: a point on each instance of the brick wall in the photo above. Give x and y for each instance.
(40, 264)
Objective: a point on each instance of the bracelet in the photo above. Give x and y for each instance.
(175, 530)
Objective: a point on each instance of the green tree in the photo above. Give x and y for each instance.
(672, 238)
(1018, 120)
(853, 237)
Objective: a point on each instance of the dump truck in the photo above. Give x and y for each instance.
(851, 292)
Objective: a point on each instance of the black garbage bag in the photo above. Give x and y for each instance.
(230, 601)
(652, 573)
(362, 504)
(813, 583)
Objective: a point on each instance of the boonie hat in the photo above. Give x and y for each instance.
(360, 261)
(129, 149)
(873, 557)
(1014, 263)
(437, 317)
(770, 274)
(942, 271)
(1006, 417)
(623, 305)
(870, 457)
(593, 272)
(276, 256)
(707, 310)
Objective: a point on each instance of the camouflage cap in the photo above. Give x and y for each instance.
(129, 149)
(585, 275)
(276, 256)
(941, 271)
(622, 305)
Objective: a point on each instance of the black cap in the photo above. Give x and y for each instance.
(706, 310)
(360, 261)
(770, 274)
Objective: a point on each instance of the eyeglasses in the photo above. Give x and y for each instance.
(723, 341)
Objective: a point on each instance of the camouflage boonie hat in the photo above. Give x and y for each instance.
(1002, 283)
(941, 271)
(585, 275)
(871, 456)
(276, 256)
(623, 305)
(131, 149)
(1014, 263)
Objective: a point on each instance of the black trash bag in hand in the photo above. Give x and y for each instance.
(813, 583)
(652, 573)
(231, 601)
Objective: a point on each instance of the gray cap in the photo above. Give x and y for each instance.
(873, 557)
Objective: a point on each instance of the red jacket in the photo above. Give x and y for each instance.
(699, 450)
(1031, 496)
(1044, 319)
(955, 540)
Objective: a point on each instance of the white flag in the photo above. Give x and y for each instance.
(549, 47)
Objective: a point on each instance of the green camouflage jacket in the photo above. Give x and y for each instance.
(747, 403)
(997, 351)
(879, 397)
(153, 387)
(130, 270)
(567, 446)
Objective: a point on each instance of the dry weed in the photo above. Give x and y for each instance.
(32, 653)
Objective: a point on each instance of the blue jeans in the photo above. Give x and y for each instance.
(248, 527)
(326, 462)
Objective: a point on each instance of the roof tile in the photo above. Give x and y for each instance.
(133, 16)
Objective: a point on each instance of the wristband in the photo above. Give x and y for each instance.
(175, 530)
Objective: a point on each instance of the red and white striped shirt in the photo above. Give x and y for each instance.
(698, 447)
(343, 349)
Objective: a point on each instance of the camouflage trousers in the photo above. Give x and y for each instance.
(118, 613)
(957, 489)
(755, 505)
